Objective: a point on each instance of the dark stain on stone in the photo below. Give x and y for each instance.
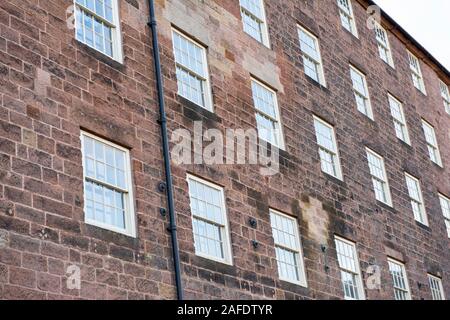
(133, 3)
(195, 112)
(295, 208)
(304, 197)
(432, 267)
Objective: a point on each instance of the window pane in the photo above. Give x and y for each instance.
(416, 72)
(209, 223)
(287, 247)
(191, 69)
(252, 26)
(188, 54)
(99, 8)
(88, 29)
(91, 30)
(90, 4)
(401, 130)
(312, 62)
(324, 136)
(108, 10)
(350, 285)
(327, 149)
(310, 68)
(266, 129)
(361, 92)
(104, 163)
(253, 6)
(346, 14)
(100, 204)
(445, 206)
(358, 82)
(383, 45)
(346, 21)
(432, 145)
(436, 288)
(308, 45)
(106, 187)
(327, 162)
(376, 166)
(287, 264)
(252, 13)
(266, 116)
(413, 188)
(207, 238)
(348, 263)
(79, 25)
(401, 290)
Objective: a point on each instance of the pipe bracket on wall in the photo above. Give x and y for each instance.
(161, 187)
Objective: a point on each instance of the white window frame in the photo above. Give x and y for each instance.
(432, 145)
(343, 13)
(297, 251)
(204, 79)
(404, 276)
(318, 63)
(335, 152)
(129, 215)
(277, 120)
(261, 20)
(412, 59)
(385, 181)
(357, 274)
(424, 219)
(365, 95)
(381, 45)
(116, 34)
(433, 281)
(225, 229)
(445, 93)
(445, 206)
(401, 122)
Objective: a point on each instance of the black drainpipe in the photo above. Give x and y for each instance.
(165, 143)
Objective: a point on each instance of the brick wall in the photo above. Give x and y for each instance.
(52, 86)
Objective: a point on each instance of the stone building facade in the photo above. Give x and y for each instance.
(58, 87)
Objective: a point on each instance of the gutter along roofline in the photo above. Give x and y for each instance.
(438, 67)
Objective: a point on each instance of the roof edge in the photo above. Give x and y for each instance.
(410, 38)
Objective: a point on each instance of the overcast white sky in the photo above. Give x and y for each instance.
(427, 21)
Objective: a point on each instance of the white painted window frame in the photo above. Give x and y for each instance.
(385, 181)
(277, 120)
(358, 274)
(298, 250)
(437, 281)
(225, 228)
(350, 15)
(318, 63)
(443, 199)
(384, 45)
(402, 121)
(405, 277)
(115, 29)
(445, 93)
(419, 201)
(130, 215)
(205, 79)
(263, 22)
(434, 146)
(365, 96)
(417, 72)
(339, 174)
